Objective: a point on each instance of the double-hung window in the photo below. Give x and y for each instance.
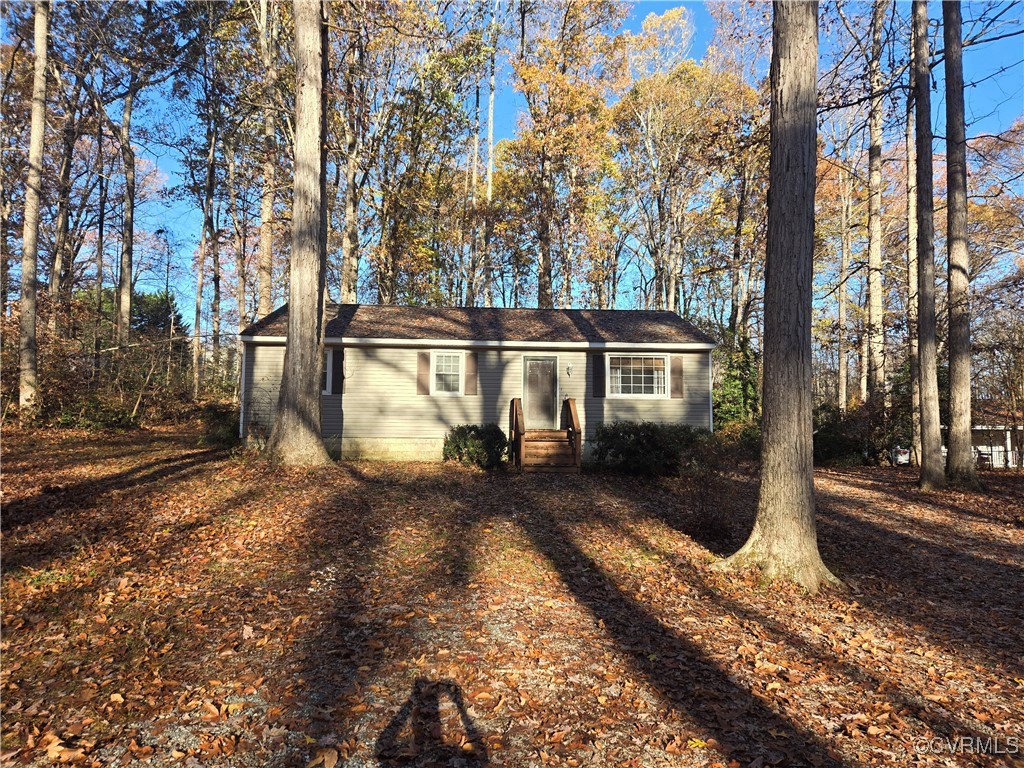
(638, 375)
(446, 373)
(325, 373)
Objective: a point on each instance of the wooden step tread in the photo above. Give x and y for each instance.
(546, 434)
(567, 469)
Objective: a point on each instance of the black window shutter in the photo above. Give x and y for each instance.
(678, 390)
(337, 371)
(470, 387)
(597, 374)
(423, 373)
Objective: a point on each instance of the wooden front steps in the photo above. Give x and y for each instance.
(545, 450)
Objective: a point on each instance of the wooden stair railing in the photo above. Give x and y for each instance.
(516, 430)
(545, 450)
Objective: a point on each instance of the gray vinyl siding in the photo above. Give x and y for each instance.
(381, 400)
(264, 365)
(693, 408)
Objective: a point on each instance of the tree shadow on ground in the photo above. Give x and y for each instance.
(959, 598)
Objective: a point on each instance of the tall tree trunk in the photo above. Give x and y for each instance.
(28, 374)
(544, 297)
(265, 263)
(876, 330)
(215, 299)
(844, 274)
(915, 360)
(784, 541)
(960, 463)
(124, 279)
(736, 263)
(295, 437)
(350, 234)
(932, 474)
(100, 234)
(489, 221)
(472, 285)
(240, 225)
(60, 271)
(206, 238)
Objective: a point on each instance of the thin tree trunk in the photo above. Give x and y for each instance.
(215, 301)
(100, 232)
(124, 280)
(876, 330)
(350, 234)
(28, 374)
(489, 221)
(205, 238)
(844, 273)
(960, 462)
(295, 437)
(932, 475)
(265, 263)
(544, 297)
(240, 226)
(915, 361)
(784, 542)
(60, 271)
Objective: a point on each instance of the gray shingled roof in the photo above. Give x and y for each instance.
(370, 321)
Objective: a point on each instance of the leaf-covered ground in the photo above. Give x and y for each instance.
(169, 604)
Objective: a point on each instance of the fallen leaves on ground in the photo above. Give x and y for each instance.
(171, 604)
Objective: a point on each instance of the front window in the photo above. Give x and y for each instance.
(448, 373)
(636, 375)
(325, 382)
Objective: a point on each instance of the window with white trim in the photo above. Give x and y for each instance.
(325, 373)
(638, 376)
(446, 373)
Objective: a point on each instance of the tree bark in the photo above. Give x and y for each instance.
(876, 330)
(205, 238)
(240, 225)
(489, 220)
(265, 262)
(912, 281)
(100, 236)
(28, 373)
(295, 438)
(960, 462)
(124, 279)
(932, 475)
(784, 542)
(846, 247)
(544, 297)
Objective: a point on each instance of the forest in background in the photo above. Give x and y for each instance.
(635, 177)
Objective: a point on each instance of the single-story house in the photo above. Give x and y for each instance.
(395, 379)
(998, 436)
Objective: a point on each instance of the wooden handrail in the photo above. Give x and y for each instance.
(571, 423)
(516, 428)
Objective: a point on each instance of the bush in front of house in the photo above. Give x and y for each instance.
(647, 448)
(482, 445)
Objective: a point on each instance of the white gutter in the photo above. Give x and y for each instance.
(347, 341)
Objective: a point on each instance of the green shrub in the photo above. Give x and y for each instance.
(481, 444)
(646, 448)
(220, 424)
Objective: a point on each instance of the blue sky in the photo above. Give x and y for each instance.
(992, 105)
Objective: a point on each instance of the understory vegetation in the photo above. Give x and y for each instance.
(168, 601)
